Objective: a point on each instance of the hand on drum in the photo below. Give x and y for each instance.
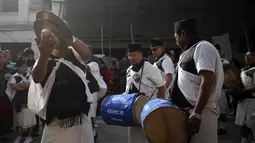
(193, 125)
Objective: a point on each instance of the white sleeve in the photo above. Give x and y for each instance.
(94, 67)
(253, 78)
(205, 57)
(168, 66)
(30, 78)
(156, 77)
(12, 80)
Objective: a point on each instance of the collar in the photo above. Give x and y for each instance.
(162, 55)
(192, 42)
(248, 67)
(137, 67)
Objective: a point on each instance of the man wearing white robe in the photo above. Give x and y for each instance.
(142, 77)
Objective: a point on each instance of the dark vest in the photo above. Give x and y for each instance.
(187, 64)
(159, 63)
(68, 100)
(93, 83)
(135, 68)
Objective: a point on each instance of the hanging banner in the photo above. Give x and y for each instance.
(224, 42)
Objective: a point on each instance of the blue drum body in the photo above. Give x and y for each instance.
(153, 105)
(118, 110)
(169, 118)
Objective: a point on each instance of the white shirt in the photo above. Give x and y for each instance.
(151, 79)
(11, 92)
(167, 66)
(224, 61)
(95, 71)
(206, 57)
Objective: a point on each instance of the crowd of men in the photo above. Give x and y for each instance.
(57, 90)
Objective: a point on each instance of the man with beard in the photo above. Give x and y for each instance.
(142, 77)
(6, 109)
(198, 82)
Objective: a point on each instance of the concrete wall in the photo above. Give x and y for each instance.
(17, 27)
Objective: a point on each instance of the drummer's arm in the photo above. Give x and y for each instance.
(205, 58)
(251, 89)
(82, 49)
(161, 92)
(208, 79)
(158, 81)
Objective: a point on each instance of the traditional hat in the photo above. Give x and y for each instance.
(188, 25)
(157, 42)
(134, 47)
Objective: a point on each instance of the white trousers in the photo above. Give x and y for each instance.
(93, 106)
(222, 102)
(76, 134)
(136, 135)
(25, 118)
(208, 128)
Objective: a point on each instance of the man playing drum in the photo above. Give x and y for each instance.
(142, 77)
(198, 82)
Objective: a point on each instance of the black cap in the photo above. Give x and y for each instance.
(28, 51)
(134, 47)
(188, 25)
(157, 42)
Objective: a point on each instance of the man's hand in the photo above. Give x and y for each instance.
(161, 92)
(169, 80)
(193, 125)
(45, 43)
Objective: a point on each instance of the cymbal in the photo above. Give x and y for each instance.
(58, 23)
(39, 25)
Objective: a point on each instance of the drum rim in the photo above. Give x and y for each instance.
(133, 111)
(165, 107)
(151, 112)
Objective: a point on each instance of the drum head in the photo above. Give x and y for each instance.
(138, 107)
(166, 125)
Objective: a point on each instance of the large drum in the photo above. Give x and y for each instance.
(123, 109)
(164, 122)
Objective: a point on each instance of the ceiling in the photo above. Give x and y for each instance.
(151, 18)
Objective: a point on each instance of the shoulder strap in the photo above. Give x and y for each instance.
(18, 79)
(159, 64)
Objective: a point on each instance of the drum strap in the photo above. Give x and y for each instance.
(141, 79)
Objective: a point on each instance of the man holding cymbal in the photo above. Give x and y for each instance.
(58, 92)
